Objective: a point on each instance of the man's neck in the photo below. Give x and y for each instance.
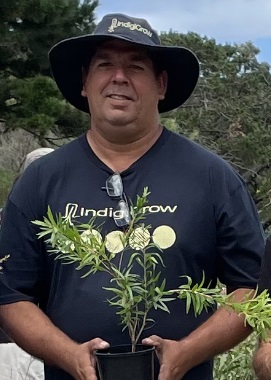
(121, 153)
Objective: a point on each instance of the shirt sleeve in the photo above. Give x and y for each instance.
(239, 234)
(240, 240)
(265, 276)
(23, 274)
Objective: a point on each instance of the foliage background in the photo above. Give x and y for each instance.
(230, 111)
(236, 363)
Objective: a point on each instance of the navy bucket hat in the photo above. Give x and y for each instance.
(68, 57)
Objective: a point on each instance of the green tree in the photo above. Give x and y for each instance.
(29, 28)
(36, 105)
(29, 98)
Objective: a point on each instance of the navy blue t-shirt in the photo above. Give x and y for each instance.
(265, 275)
(200, 212)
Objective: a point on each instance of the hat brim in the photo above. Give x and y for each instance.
(67, 57)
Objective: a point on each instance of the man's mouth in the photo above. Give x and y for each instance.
(119, 97)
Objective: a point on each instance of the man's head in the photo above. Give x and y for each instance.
(69, 57)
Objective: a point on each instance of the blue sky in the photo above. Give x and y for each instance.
(231, 21)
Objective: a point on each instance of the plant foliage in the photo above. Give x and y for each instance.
(136, 293)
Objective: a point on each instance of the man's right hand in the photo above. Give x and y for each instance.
(83, 367)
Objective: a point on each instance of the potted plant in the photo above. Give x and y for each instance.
(136, 292)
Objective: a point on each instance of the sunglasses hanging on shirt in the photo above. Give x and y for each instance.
(114, 189)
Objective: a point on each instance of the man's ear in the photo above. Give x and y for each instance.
(163, 80)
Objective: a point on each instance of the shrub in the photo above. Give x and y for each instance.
(236, 364)
(7, 178)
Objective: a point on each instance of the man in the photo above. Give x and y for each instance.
(124, 78)
(262, 356)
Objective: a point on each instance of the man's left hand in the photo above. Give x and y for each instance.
(170, 354)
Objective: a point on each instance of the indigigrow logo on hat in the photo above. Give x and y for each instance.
(115, 23)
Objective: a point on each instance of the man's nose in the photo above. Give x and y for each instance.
(119, 75)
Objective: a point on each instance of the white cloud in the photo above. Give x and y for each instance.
(225, 20)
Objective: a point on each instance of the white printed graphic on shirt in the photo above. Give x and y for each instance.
(163, 236)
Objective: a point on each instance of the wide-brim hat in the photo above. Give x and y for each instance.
(68, 57)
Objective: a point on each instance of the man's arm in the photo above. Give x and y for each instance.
(262, 357)
(222, 331)
(32, 330)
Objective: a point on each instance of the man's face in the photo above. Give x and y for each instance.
(121, 85)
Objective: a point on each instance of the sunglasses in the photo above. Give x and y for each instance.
(114, 189)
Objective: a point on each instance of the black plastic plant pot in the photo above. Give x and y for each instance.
(120, 363)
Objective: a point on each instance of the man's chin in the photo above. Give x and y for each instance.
(120, 119)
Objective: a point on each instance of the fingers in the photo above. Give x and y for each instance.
(153, 340)
(84, 359)
(97, 344)
(168, 353)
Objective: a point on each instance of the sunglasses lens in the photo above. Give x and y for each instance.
(114, 185)
(122, 214)
(114, 188)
